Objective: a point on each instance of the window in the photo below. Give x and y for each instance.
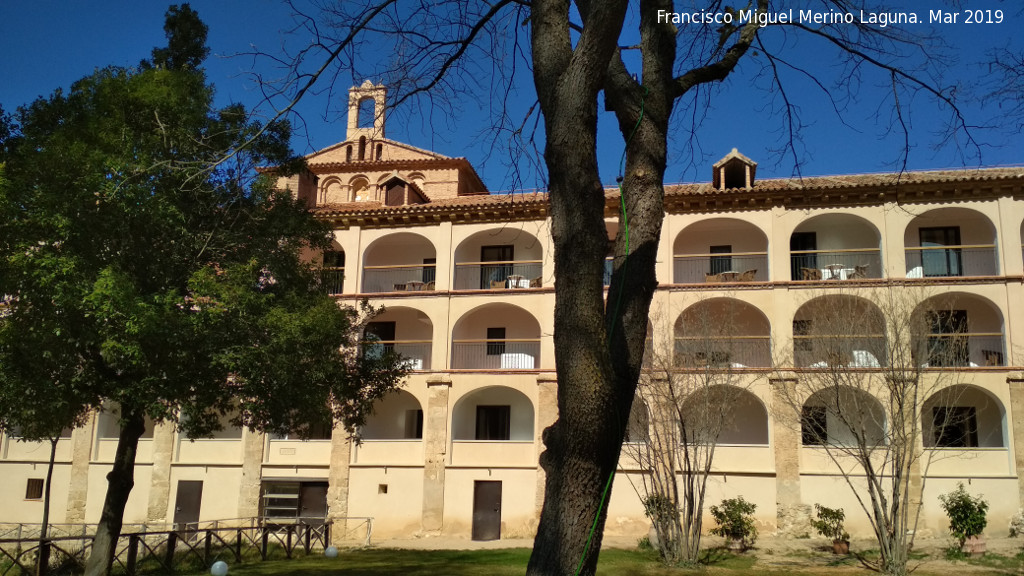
(721, 264)
(334, 259)
(801, 331)
(34, 489)
(395, 194)
(380, 339)
(948, 345)
(813, 425)
(939, 261)
(493, 422)
(495, 275)
(798, 242)
(495, 341)
(367, 113)
(955, 426)
(413, 424)
(429, 269)
(380, 151)
(362, 147)
(348, 153)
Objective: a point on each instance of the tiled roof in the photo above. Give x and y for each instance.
(777, 185)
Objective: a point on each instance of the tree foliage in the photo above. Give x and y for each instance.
(144, 280)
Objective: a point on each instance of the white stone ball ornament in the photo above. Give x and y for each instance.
(219, 568)
(331, 552)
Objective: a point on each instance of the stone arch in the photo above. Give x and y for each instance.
(479, 415)
(724, 331)
(398, 415)
(951, 241)
(840, 415)
(743, 422)
(839, 330)
(963, 416)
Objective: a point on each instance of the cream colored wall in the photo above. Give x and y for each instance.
(395, 514)
(517, 489)
(14, 508)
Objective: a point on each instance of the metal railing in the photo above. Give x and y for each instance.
(191, 546)
(713, 268)
(398, 278)
(508, 354)
(332, 280)
(834, 350)
(723, 352)
(964, 350)
(415, 352)
(847, 264)
(946, 261)
(498, 275)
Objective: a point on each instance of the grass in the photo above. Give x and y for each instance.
(379, 562)
(385, 562)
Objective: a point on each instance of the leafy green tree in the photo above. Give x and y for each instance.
(148, 277)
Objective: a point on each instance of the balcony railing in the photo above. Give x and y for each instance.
(732, 267)
(398, 278)
(848, 264)
(332, 280)
(940, 261)
(508, 354)
(833, 350)
(723, 352)
(498, 275)
(415, 352)
(968, 350)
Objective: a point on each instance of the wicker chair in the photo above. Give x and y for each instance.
(859, 272)
(535, 282)
(748, 276)
(497, 284)
(811, 273)
(710, 278)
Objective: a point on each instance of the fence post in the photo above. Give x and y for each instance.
(288, 541)
(133, 554)
(43, 559)
(263, 545)
(172, 542)
(306, 541)
(206, 547)
(238, 546)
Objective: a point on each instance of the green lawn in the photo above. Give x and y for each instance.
(386, 562)
(381, 562)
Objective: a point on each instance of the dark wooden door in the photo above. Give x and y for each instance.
(187, 504)
(486, 510)
(313, 502)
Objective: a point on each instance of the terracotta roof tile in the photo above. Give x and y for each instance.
(851, 181)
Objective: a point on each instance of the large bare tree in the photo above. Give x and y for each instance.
(578, 50)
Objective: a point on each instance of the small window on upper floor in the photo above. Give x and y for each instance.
(34, 489)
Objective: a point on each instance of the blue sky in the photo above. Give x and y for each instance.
(48, 44)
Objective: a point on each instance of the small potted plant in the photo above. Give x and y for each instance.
(829, 523)
(966, 518)
(735, 518)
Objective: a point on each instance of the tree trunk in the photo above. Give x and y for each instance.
(120, 481)
(44, 528)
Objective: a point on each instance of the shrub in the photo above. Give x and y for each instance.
(735, 518)
(829, 523)
(1017, 524)
(966, 513)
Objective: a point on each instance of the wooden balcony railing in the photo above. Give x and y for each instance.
(846, 264)
(948, 261)
(510, 274)
(487, 354)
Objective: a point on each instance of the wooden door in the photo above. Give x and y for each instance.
(313, 502)
(187, 503)
(486, 510)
